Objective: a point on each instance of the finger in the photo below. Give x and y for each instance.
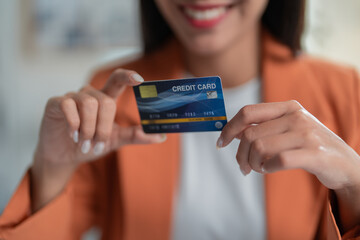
(254, 132)
(254, 114)
(272, 127)
(69, 108)
(242, 156)
(249, 135)
(267, 147)
(88, 109)
(292, 159)
(134, 135)
(118, 80)
(105, 119)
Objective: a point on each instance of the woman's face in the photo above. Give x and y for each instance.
(210, 26)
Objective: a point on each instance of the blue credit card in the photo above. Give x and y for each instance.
(181, 105)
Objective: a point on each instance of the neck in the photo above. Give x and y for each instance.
(236, 65)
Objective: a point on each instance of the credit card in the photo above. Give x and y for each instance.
(181, 105)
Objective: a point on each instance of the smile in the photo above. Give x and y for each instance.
(205, 16)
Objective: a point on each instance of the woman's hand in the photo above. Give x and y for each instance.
(80, 125)
(77, 127)
(279, 136)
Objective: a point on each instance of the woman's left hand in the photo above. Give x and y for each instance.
(283, 135)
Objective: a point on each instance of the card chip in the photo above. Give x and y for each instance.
(148, 91)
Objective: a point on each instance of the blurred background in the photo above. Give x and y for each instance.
(50, 47)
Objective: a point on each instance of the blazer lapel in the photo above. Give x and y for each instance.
(149, 176)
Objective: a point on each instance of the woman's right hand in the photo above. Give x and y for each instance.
(78, 127)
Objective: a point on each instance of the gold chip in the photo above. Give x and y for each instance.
(148, 91)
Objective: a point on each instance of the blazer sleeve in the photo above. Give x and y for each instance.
(67, 216)
(332, 221)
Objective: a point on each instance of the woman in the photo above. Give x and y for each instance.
(181, 186)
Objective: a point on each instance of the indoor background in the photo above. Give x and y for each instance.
(50, 47)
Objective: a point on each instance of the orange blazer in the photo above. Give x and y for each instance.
(129, 193)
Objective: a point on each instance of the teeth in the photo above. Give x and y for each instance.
(205, 14)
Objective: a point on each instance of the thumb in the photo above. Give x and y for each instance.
(118, 80)
(133, 135)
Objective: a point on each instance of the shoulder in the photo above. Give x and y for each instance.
(339, 86)
(327, 71)
(332, 79)
(330, 91)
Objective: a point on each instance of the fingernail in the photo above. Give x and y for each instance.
(137, 77)
(99, 148)
(247, 170)
(219, 143)
(243, 172)
(85, 148)
(76, 136)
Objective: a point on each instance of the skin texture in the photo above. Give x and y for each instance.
(274, 136)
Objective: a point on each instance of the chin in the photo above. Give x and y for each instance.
(204, 45)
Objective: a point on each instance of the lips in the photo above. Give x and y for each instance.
(205, 16)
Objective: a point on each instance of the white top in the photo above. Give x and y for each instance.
(214, 200)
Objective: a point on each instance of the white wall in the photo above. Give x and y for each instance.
(333, 30)
(9, 98)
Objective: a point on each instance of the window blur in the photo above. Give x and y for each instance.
(50, 47)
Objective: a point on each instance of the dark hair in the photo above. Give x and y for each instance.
(284, 19)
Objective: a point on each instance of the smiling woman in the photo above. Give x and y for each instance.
(297, 119)
(284, 19)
